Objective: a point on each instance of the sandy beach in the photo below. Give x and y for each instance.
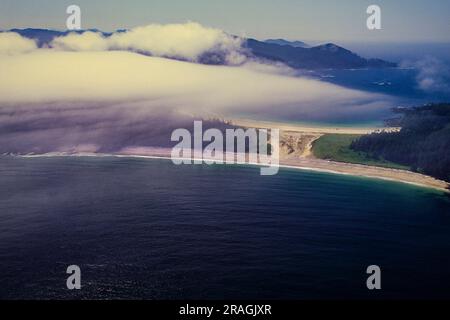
(247, 123)
(314, 164)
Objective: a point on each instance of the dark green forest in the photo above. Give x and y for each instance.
(423, 143)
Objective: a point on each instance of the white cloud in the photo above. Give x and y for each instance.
(48, 75)
(433, 75)
(12, 43)
(88, 41)
(188, 41)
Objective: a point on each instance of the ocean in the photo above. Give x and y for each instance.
(148, 229)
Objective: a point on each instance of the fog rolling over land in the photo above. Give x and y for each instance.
(95, 94)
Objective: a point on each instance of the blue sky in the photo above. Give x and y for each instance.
(310, 20)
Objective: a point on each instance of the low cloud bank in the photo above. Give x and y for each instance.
(80, 96)
(48, 76)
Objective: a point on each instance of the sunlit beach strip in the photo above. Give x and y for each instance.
(247, 123)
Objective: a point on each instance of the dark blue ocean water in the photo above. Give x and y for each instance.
(143, 228)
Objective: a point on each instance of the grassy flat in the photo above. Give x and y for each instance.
(336, 147)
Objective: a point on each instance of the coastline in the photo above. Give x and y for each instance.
(307, 164)
(295, 153)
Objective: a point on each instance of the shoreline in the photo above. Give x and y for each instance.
(248, 123)
(295, 153)
(307, 164)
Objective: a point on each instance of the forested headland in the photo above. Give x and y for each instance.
(423, 143)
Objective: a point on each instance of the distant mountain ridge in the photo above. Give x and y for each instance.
(282, 42)
(327, 56)
(295, 54)
(43, 37)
